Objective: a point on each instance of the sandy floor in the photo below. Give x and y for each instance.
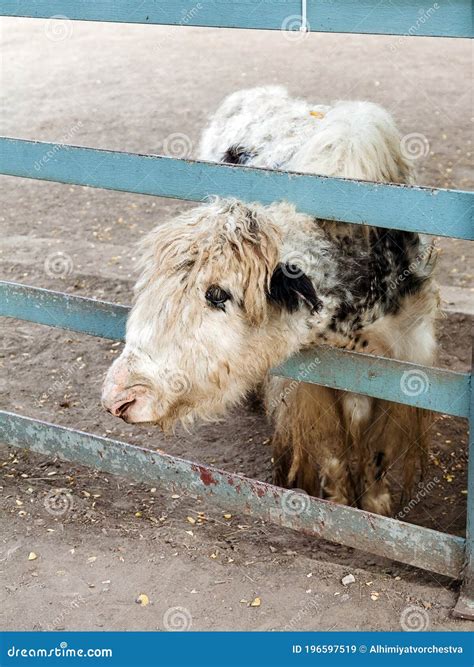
(131, 87)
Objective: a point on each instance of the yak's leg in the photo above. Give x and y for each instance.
(309, 448)
(396, 435)
(336, 481)
(375, 493)
(415, 436)
(366, 437)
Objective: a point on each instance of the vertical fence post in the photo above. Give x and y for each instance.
(465, 605)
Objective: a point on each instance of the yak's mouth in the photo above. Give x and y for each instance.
(167, 419)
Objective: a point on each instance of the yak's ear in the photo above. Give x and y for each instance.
(289, 287)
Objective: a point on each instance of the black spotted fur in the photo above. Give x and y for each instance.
(237, 155)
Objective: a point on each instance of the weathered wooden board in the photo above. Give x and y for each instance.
(400, 17)
(407, 543)
(433, 211)
(412, 384)
(55, 309)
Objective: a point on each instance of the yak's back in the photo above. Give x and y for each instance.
(264, 127)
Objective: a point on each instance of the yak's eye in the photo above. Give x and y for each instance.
(216, 296)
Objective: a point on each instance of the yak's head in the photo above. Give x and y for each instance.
(215, 309)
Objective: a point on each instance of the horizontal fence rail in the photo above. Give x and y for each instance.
(428, 210)
(64, 311)
(403, 542)
(411, 384)
(431, 388)
(397, 17)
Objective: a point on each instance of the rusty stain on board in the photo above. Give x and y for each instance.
(205, 474)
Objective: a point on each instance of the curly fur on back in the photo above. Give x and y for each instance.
(264, 127)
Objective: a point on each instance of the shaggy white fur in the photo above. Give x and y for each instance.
(229, 290)
(269, 129)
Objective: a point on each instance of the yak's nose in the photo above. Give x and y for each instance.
(119, 408)
(117, 401)
(134, 403)
(117, 397)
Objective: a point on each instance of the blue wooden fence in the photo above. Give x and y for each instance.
(444, 18)
(429, 210)
(433, 211)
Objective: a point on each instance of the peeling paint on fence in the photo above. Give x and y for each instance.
(417, 546)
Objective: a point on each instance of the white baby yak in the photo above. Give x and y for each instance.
(228, 290)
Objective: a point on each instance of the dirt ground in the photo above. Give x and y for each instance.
(132, 88)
